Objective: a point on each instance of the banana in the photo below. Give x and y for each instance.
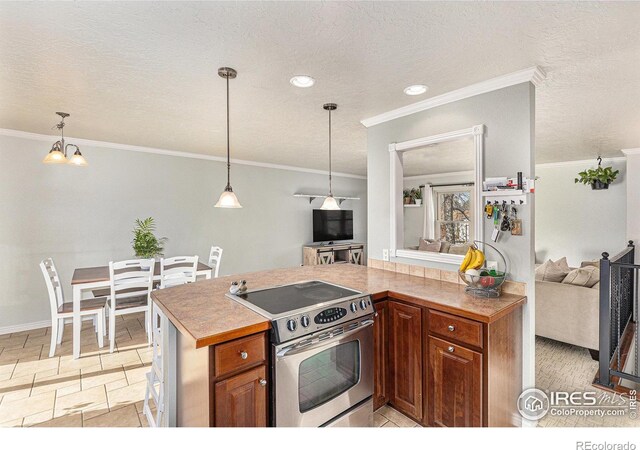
(467, 260)
(478, 260)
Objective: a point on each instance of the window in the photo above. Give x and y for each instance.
(454, 213)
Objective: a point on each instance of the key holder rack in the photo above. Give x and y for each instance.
(510, 197)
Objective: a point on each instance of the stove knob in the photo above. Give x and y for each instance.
(354, 307)
(292, 325)
(304, 321)
(363, 304)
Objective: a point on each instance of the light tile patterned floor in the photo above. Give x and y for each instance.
(98, 390)
(564, 367)
(389, 417)
(103, 389)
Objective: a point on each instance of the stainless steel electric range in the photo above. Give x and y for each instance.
(322, 353)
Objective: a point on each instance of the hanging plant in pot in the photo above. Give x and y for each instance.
(598, 178)
(145, 244)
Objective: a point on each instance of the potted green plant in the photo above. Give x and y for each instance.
(599, 178)
(416, 193)
(145, 243)
(406, 194)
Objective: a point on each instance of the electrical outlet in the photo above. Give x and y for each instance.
(385, 254)
(492, 265)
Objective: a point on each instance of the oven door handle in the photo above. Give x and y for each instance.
(316, 343)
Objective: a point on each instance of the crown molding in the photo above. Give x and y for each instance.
(159, 151)
(581, 162)
(534, 75)
(631, 151)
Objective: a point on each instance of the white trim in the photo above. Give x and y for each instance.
(159, 151)
(25, 327)
(631, 151)
(396, 181)
(581, 162)
(444, 175)
(534, 75)
(447, 258)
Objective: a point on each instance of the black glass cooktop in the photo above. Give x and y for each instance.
(290, 297)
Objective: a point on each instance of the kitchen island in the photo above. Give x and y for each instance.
(442, 357)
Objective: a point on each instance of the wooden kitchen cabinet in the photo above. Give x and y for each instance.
(241, 401)
(455, 385)
(381, 355)
(446, 370)
(405, 358)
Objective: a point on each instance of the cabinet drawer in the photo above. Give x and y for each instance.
(239, 354)
(454, 327)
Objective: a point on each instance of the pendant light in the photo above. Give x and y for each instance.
(58, 152)
(228, 199)
(329, 201)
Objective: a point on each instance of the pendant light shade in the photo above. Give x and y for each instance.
(228, 199)
(55, 156)
(77, 159)
(330, 202)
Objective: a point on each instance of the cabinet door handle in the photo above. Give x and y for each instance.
(262, 382)
(451, 328)
(451, 349)
(244, 355)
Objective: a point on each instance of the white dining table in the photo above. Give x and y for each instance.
(94, 278)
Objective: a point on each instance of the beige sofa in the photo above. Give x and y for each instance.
(568, 313)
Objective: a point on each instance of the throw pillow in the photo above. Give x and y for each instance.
(428, 245)
(550, 271)
(594, 263)
(563, 264)
(458, 249)
(584, 276)
(446, 246)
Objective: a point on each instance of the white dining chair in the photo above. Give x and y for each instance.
(61, 310)
(215, 259)
(155, 377)
(173, 272)
(131, 283)
(178, 270)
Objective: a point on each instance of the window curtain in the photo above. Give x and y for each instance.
(428, 229)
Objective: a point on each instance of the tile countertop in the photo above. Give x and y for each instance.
(202, 311)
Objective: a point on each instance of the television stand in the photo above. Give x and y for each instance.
(332, 253)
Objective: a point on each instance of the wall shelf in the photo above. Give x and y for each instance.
(312, 197)
(411, 205)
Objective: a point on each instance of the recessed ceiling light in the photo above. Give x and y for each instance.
(415, 89)
(302, 81)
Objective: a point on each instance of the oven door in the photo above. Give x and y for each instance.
(317, 380)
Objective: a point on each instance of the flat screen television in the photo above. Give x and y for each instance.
(332, 225)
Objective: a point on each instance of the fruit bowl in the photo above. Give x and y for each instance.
(483, 285)
(480, 281)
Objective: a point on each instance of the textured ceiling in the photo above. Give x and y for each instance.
(144, 73)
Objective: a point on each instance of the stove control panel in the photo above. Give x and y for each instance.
(330, 315)
(311, 320)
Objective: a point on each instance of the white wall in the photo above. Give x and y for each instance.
(575, 221)
(509, 117)
(84, 216)
(633, 197)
